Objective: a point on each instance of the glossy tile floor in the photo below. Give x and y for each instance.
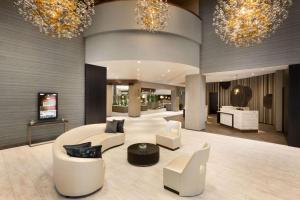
(238, 169)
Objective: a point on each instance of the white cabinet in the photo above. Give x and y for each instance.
(239, 119)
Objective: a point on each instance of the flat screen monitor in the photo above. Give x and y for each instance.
(47, 106)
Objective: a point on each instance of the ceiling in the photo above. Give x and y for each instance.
(148, 71)
(177, 2)
(240, 74)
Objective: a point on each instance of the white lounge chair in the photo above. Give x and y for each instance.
(170, 137)
(185, 175)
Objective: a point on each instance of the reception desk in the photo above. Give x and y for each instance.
(240, 119)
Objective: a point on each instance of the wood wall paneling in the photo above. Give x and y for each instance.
(260, 85)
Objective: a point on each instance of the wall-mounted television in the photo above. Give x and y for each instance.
(47, 106)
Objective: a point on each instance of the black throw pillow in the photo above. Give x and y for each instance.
(84, 151)
(91, 152)
(74, 150)
(111, 127)
(120, 126)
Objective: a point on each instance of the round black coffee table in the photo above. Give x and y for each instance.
(143, 154)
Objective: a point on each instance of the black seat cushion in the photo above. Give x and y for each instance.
(111, 127)
(120, 126)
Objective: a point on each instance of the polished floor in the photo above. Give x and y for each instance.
(238, 169)
(266, 132)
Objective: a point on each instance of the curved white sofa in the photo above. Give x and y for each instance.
(75, 177)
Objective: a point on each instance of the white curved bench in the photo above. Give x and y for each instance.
(75, 177)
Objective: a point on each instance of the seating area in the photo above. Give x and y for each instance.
(77, 177)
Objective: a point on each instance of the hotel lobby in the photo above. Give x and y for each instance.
(150, 99)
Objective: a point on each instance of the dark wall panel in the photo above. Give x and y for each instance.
(95, 94)
(294, 106)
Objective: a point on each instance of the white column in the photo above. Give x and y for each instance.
(134, 105)
(195, 110)
(174, 100)
(109, 100)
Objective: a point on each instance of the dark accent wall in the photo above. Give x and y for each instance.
(260, 86)
(95, 94)
(31, 62)
(285, 102)
(283, 48)
(294, 106)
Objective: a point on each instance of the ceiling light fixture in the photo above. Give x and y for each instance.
(248, 22)
(58, 18)
(152, 15)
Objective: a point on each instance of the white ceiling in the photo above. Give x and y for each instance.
(148, 71)
(240, 74)
(173, 73)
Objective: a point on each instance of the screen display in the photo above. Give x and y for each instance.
(47, 106)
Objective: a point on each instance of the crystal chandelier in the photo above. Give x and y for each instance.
(248, 22)
(152, 15)
(58, 18)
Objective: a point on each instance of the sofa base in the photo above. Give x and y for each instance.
(78, 197)
(171, 190)
(167, 147)
(113, 147)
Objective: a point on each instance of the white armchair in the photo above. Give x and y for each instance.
(185, 175)
(170, 137)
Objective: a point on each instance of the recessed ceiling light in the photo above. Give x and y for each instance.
(252, 74)
(139, 62)
(169, 70)
(107, 68)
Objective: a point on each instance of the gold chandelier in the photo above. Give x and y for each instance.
(58, 18)
(152, 15)
(248, 22)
